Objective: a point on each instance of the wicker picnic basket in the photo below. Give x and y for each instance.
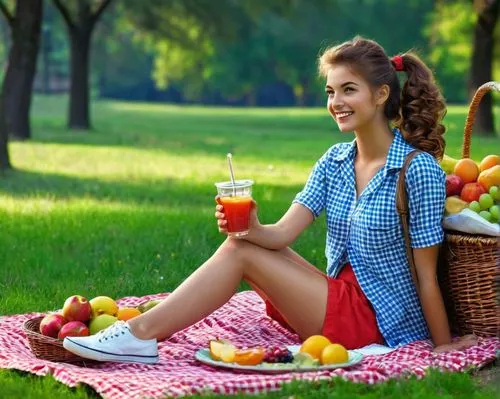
(470, 264)
(47, 348)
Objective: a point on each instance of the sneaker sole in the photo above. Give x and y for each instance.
(102, 356)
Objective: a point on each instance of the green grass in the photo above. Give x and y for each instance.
(127, 209)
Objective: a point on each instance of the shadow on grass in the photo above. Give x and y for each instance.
(267, 134)
(160, 192)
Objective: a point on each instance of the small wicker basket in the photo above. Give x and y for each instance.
(48, 348)
(470, 264)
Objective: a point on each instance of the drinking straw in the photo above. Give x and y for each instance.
(229, 161)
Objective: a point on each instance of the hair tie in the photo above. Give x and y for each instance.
(397, 61)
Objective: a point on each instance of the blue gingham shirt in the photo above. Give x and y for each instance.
(366, 232)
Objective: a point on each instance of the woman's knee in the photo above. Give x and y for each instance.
(238, 249)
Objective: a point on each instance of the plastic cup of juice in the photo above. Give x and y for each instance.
(237, 202)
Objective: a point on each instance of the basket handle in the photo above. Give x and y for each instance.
(480, 92)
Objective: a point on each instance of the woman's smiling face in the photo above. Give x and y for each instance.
(351, 102)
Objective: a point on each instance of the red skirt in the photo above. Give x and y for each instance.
(349, 319)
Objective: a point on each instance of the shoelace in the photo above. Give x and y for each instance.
(112, 331)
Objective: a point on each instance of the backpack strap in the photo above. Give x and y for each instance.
(404, 213)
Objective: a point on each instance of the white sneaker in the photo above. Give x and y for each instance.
(114, 344)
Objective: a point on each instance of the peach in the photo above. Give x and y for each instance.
(490, 177)
(73, 329)
(467, 170)
(77, 308)
(488, 162)
(472, 192)
(52, 324)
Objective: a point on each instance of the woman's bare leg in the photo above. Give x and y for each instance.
(298, 292)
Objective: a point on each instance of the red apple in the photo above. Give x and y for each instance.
(73, 329)
(51, 324)
(472, 192)
(454, 185)
(77, 308)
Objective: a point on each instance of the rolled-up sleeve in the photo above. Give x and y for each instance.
(426, 196)
(313, 195)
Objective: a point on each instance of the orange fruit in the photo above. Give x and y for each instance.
(314, 345)
(249, 357)
(488, 162)
(127, 313)
(334, 353)
(221, 349)
(467, 170)
(490, 177)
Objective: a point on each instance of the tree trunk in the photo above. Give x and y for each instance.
(482, 65)
(20, 74)
(79, 114)
(4, 150)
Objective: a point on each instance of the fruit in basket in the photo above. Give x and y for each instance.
(144, 307)
(103, 305)
(454, 185)
(52, 324)
(448, 164)
(467, 170)
(472, 192)
(485, 201)
(76, 308)
(127, 313)
(490, 177)
(486, 215)
(314, 345)
(474, 206)
(495, 213)
(221, 348)
(494, 191)
(334, 353)
(454, 205)
(73, 329)
(101, 322)
(488, 162)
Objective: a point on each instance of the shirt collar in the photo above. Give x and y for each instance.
(395, 158)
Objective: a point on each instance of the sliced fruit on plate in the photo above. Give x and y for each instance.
(305, 360)
(249, 357)
(221, 349)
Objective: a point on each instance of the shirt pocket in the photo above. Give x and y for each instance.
(380, 235)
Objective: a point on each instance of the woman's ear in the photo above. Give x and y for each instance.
(382, 94)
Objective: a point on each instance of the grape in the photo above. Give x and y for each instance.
(495, 192)
(275, 354)
(486, 201)
(485, 215)
(474, 206)
(495, 213)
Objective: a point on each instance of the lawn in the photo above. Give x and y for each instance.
(127, 209)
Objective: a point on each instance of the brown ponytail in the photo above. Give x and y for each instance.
(417, 110)
(422, 108)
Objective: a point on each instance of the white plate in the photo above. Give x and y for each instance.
(203, 355)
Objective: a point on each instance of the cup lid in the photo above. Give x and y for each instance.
(237, 184)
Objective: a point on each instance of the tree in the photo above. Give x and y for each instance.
(80, 19)
(25, 26)
(482, 61)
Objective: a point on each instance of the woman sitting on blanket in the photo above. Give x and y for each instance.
(367, 294)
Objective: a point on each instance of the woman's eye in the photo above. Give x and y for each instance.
(330, 92)
(348, 89)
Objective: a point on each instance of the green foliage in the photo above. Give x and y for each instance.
(128, 210)
(449, 30)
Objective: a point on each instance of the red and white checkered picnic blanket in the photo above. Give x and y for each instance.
(243, 321)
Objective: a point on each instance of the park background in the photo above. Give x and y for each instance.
(116, 116)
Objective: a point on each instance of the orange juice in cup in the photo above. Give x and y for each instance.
(237, 201)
